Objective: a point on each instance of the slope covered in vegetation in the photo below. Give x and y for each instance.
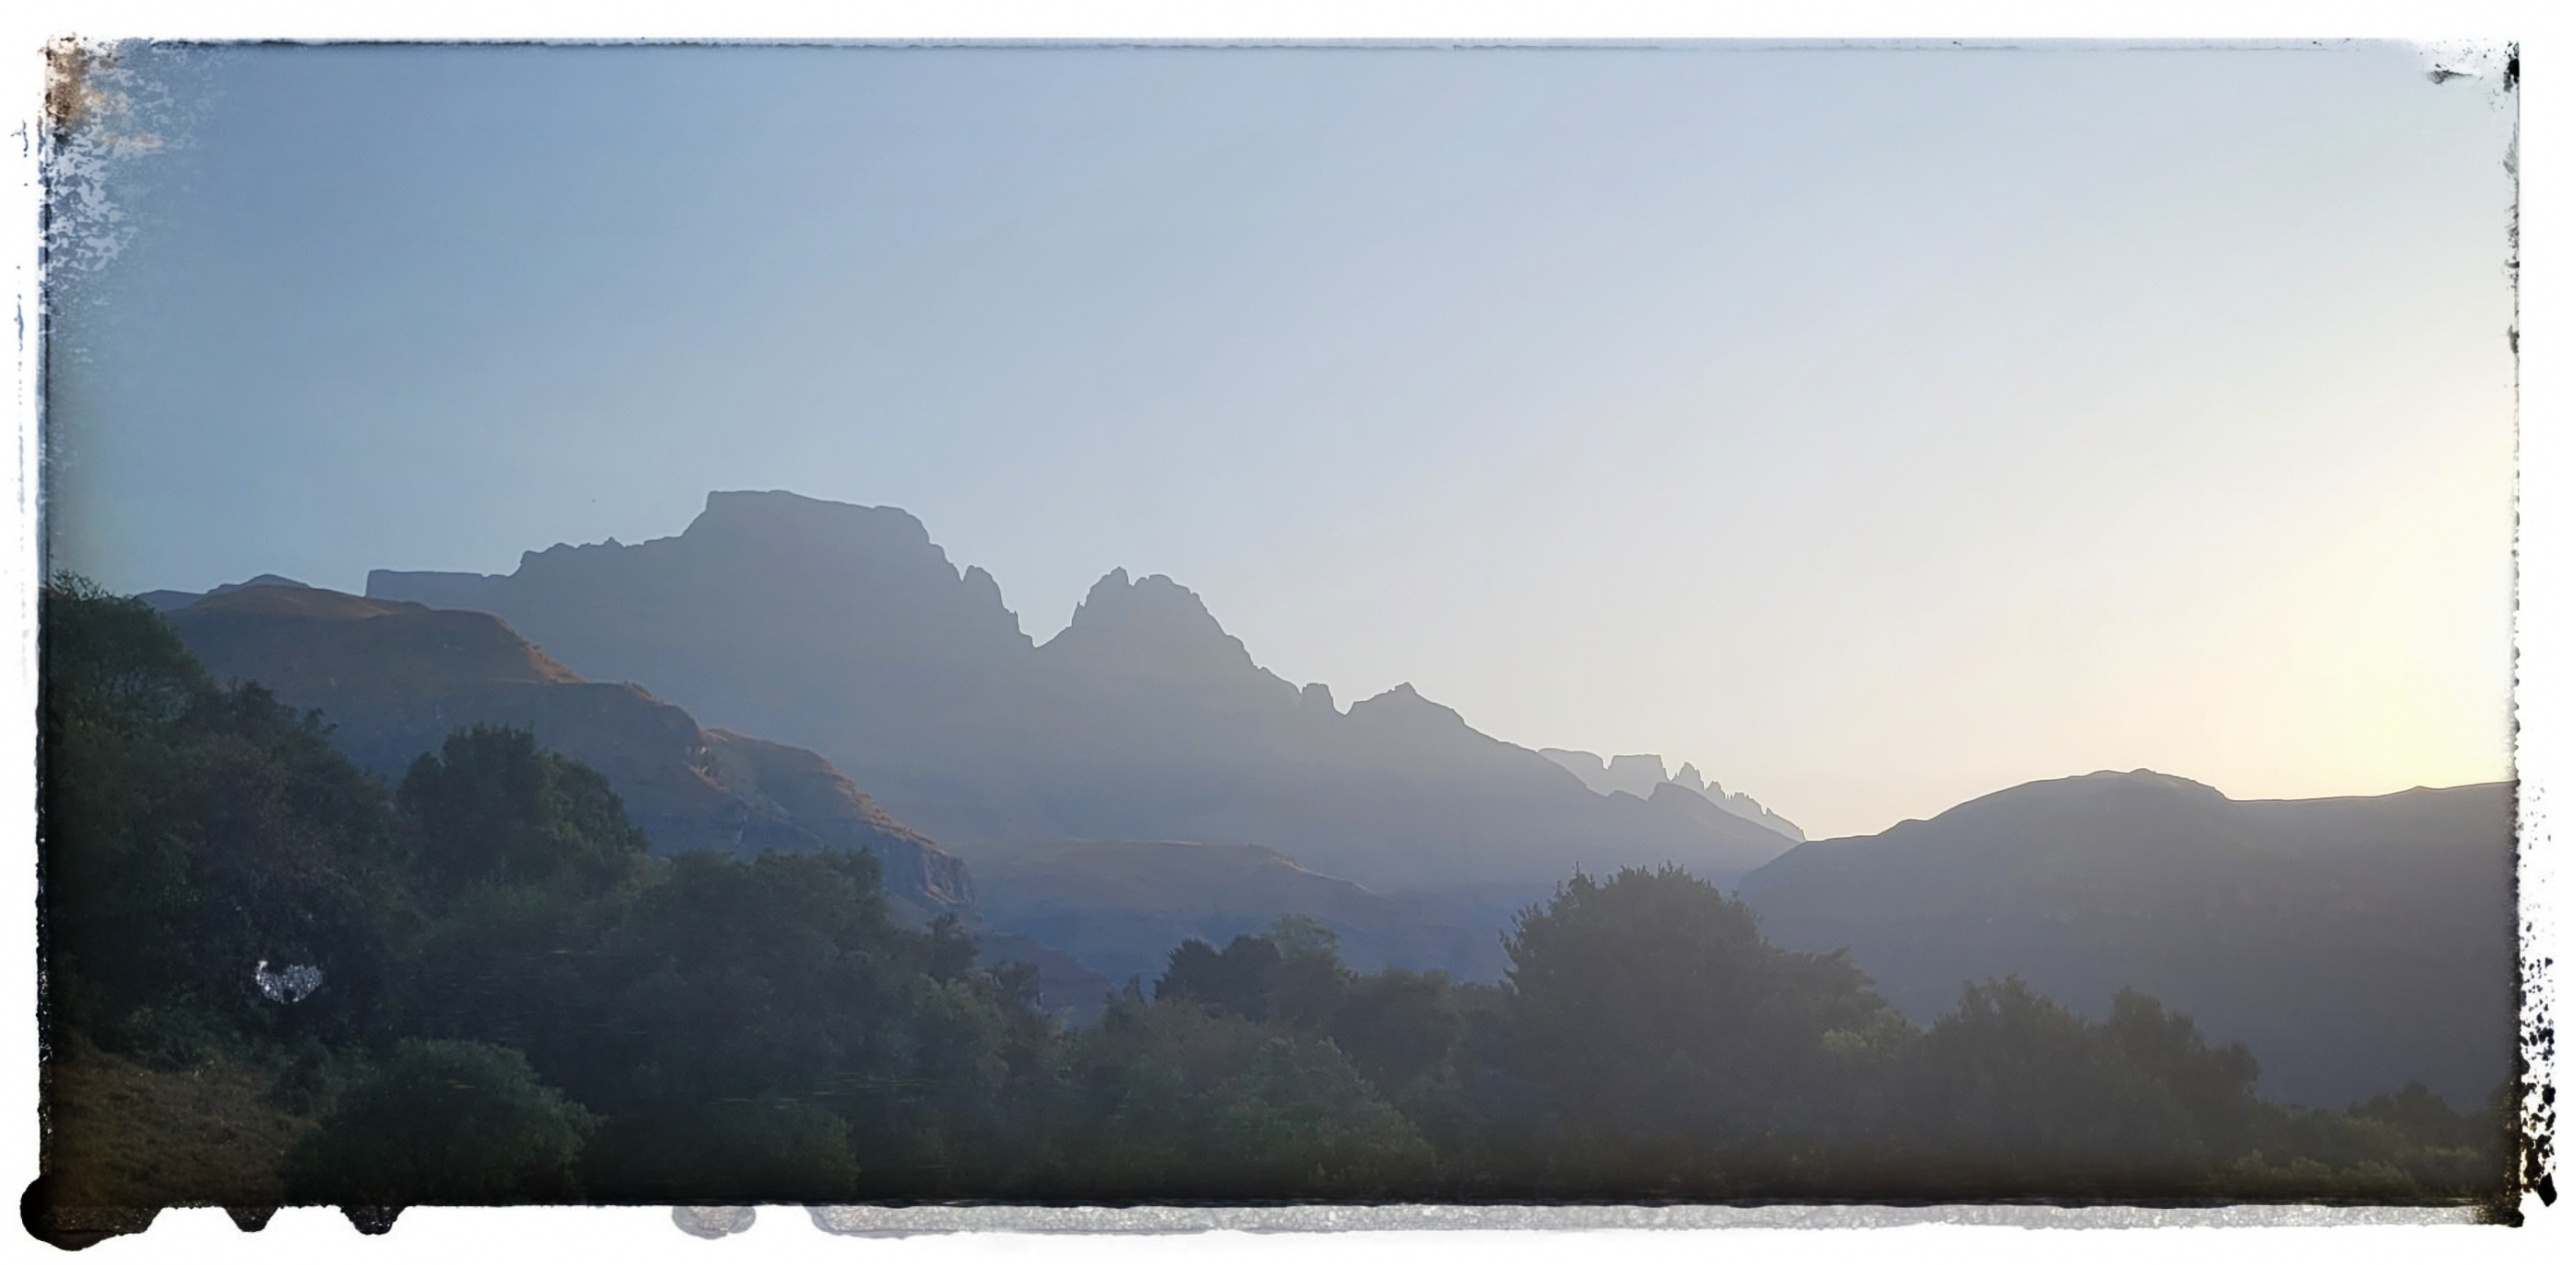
(301, 984)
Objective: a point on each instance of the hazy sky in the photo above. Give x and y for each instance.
(1873, 428)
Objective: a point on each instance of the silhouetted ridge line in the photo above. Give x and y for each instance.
(2354, 944)
(847, 630)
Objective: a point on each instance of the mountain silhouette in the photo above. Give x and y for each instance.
(2354, 944)
(1644, 776)
(845, 629)
(166, 600)
(394, 678)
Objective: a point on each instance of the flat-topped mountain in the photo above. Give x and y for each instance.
(2354, 944)
(847, 630)
(394, 678)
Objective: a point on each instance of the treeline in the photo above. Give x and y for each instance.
(478, 987)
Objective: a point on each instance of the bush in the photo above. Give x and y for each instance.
(444, 1122)
(2012, 1091)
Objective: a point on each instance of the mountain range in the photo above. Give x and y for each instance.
(1643, 775)
(1137, 780)
(845, 629)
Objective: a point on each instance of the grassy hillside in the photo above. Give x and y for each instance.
(120, 1132)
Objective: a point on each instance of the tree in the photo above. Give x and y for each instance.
(1651, 1012)
(443, 1122)
(783, 979)
(498, 810)
(1173, 1101)
(524, 858)
(1398, 1027)
(2211, 1086)
(193, 833)
(1237, 980)
(2010, 1088)
(2419, 1115)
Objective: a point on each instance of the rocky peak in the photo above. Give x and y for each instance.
(1148, 627)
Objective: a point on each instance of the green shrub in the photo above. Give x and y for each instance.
(444, 1122)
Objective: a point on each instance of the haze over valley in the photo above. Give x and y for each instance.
(1094, 800)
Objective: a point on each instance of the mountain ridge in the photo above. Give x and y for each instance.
(393, 678)
(1641, 775)
(2355, 942)
(844, 629)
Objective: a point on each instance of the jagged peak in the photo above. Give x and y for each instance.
(1116, 602)
(1151, 625)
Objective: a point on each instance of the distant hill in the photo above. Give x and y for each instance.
(1641, 775)
(395, 678)
(2354, 944)
(1122, 907)
(166, 600)
(845, 629)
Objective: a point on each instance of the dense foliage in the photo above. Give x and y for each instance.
(450, 1122)
(478, 986)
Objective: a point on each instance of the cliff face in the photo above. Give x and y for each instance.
(840, 628)
(394, 678)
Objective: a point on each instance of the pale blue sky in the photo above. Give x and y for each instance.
(1874, 428)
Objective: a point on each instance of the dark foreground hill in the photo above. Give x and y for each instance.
(2353, 944)
(845, 629)
(395, 678)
